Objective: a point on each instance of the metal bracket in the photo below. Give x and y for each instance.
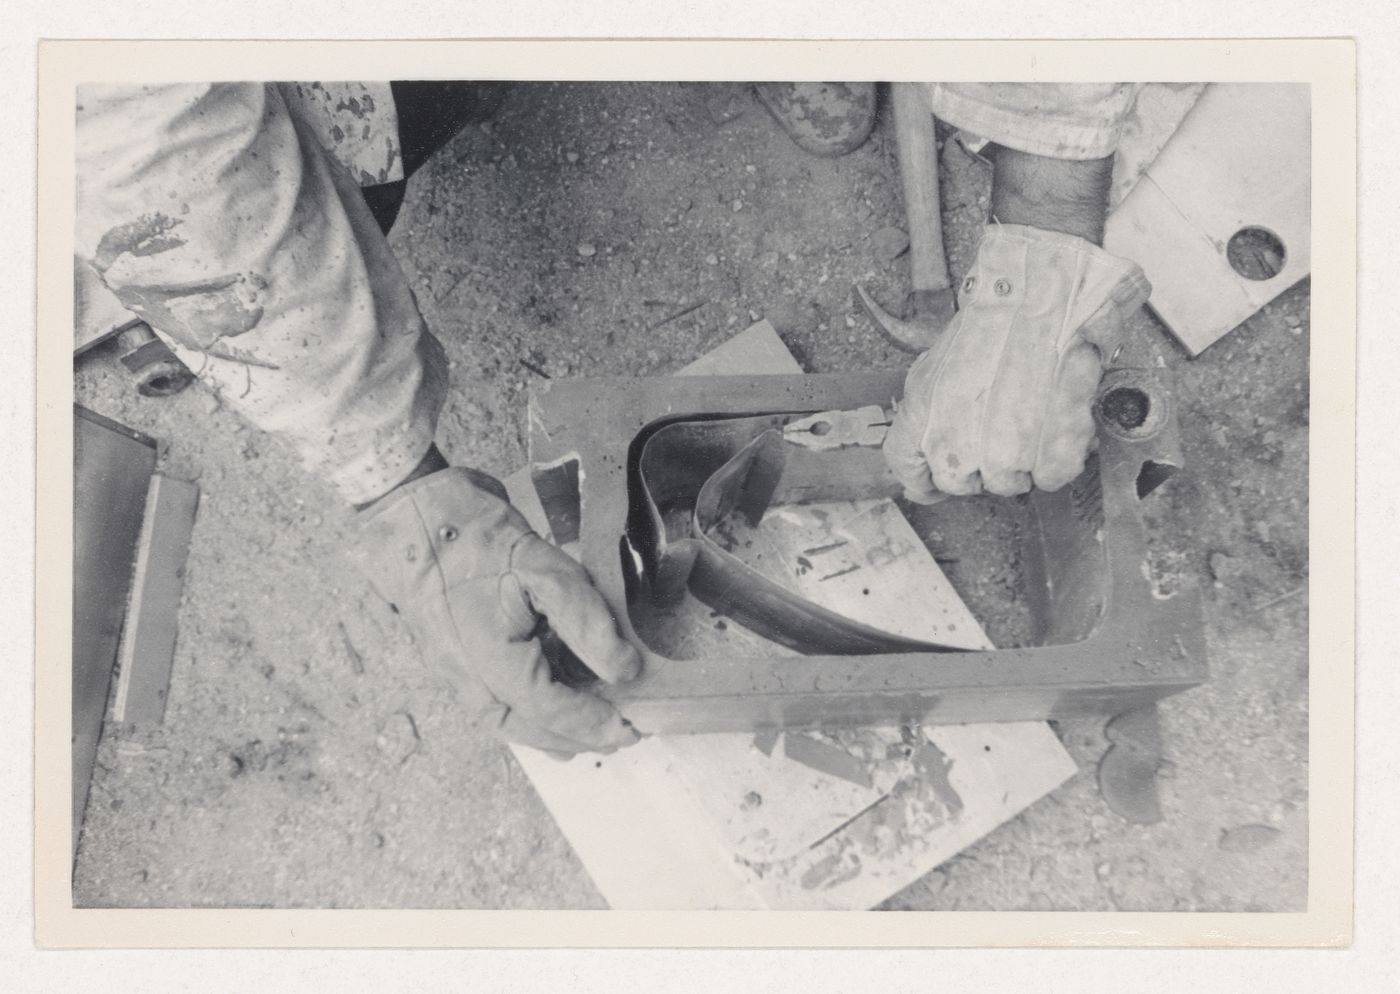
(1108, 639)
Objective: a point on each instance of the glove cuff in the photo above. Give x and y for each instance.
(449, 525)
(995, 232)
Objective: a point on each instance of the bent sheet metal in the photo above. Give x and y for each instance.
(771, 460)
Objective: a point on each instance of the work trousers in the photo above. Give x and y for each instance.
(230, 217)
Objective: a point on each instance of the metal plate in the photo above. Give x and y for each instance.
(112, 471)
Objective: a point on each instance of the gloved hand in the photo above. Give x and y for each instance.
(472, 581)
(1003, 399)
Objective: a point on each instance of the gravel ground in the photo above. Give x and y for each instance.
(308, 760)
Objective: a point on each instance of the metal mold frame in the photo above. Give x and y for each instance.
(1112, 640)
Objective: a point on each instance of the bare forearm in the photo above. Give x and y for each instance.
(1065, 195)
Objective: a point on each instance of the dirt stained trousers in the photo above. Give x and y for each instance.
(229, 217)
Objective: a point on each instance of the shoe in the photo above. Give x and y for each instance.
(826, 119)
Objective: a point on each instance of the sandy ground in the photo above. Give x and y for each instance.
(307, 759)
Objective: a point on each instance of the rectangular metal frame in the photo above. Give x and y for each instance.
(1118, 641)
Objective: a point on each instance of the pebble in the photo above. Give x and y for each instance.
(211, 402)
(1223, 568)
(738, 205)
(587, 250)
(571, 157)
(1247, 838)
(712, 260)
(850, 321)
(889, 243)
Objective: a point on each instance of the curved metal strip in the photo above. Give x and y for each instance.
(695, 473)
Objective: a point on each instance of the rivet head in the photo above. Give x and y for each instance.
(969, 283)
(448, 533)
(1002, 287)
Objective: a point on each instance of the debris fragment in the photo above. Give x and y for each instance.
(853, 819)
(1224, 569)
(357, 662)
(889, 243)
(398, 737)
(587, 250)
(1281, 597)
(934, 766)
(1128, 770)
(725, 104)
(687, 309)
(826, 759)
(1247, 838)
(765, 739)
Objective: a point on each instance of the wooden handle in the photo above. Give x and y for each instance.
(918, 171)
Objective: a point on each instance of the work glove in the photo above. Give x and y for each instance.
(475, 584)
(1003, 399)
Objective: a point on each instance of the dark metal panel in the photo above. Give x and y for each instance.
(111, 473)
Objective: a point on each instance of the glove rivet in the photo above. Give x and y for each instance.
(1002, 287)
(968, 284)
(447, 533)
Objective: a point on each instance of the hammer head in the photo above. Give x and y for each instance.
(930, 311)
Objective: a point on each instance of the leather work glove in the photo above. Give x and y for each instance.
(473, 582)
(1003, 399)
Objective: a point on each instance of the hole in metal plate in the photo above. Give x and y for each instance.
(1256, 253)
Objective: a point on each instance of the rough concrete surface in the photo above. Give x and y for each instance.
(308, 760)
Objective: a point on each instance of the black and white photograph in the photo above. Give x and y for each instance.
(692, 495)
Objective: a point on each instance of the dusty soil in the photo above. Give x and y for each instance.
(308, 760)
